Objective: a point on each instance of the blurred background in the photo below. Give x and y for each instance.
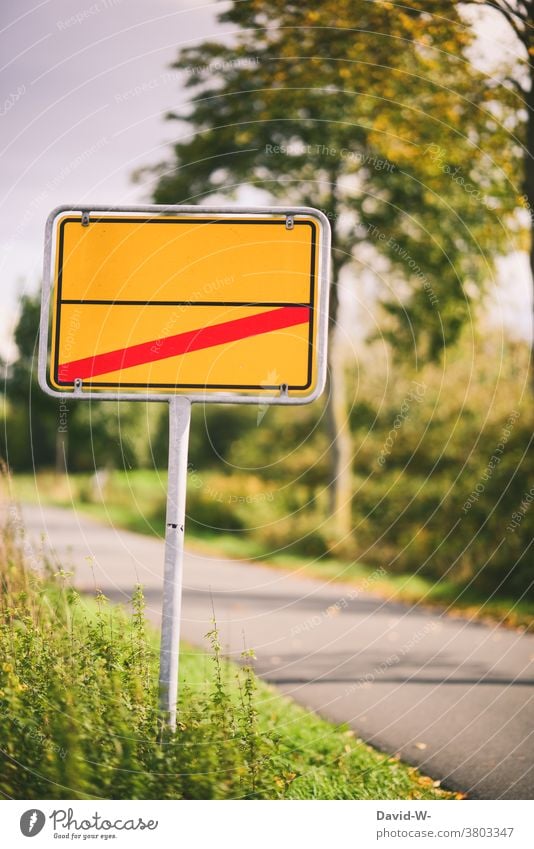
(410, 126)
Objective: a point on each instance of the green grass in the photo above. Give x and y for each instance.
(79, 716)
(135, 500)
(412, 589)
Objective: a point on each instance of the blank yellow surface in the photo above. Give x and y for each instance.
(277, 357)
(165, 260)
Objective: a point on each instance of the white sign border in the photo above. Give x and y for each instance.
(323, 286)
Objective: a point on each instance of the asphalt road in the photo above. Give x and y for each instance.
(453, 697)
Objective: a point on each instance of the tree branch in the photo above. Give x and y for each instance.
(517, 86)
(507, 13)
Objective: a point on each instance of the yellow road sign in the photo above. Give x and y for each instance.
(210, 304)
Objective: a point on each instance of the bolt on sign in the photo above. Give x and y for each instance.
(198, 304)
(184, 304)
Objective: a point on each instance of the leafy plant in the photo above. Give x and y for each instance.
(79, 711)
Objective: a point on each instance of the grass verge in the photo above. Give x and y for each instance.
(135, 500)
(79, 716)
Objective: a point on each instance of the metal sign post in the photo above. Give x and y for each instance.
(184, 304)
(179, 420)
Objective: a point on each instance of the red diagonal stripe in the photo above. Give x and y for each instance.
(183, 343)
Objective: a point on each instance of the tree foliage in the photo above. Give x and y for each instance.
(40, 431)
(31, 424)
(519, 79)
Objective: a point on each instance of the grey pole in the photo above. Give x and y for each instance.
(179, 420)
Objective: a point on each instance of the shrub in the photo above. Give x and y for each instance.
(79, 711)
(79, 706)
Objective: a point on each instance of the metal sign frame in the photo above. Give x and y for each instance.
(180, 412)
(261, 213)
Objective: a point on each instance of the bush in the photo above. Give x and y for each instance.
(79, 706)
(209, 510)
(79, 712)
(302, 533)
(452, 517)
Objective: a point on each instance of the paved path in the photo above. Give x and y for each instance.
(453, 697)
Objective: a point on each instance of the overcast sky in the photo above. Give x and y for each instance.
(73, 127)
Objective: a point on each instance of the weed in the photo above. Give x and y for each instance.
(79, 711)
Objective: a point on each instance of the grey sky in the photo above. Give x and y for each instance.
(84, 86)
(72, 126)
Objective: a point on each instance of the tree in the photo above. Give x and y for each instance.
(371, 112)
(38, 427)
(34, 432)
(519, 14)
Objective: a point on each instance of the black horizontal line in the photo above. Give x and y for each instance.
(118, 303)
(149, 386)
(103, 218)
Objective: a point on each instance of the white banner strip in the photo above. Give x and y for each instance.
(264, 825)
